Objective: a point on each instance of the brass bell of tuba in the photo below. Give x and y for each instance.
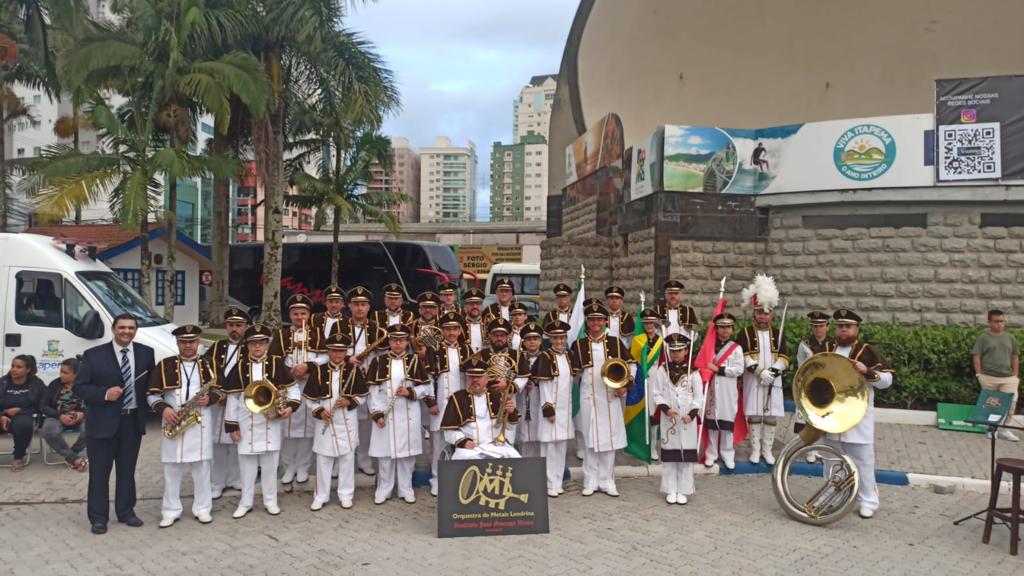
(262, 397)
(833, 398)
(615, 373)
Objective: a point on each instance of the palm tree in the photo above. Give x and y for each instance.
(160, 50)
(340, 183)
(308, 58)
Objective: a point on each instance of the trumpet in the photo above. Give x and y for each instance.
(262, 397)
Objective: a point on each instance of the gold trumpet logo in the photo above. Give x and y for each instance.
(487, 489)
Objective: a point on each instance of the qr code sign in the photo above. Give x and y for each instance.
(969, 152)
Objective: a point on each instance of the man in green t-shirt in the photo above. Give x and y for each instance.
(997, 363)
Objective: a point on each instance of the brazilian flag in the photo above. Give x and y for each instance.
(638, 424)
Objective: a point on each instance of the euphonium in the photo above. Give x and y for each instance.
(262, 397)
(428, 335)
(832, 397)
(501, 366)
(615, 373)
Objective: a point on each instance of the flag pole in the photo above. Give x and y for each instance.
(647, 408)
(704, 402)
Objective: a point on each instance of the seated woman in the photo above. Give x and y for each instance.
(21, 391)
(63, 409)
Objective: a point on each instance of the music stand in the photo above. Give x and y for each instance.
(991, 410)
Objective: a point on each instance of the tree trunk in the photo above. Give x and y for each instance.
(221, 236)
(145, 262)
(273, 131)
(3, 168)
(171, 238)
(76, 141)
(335, 251)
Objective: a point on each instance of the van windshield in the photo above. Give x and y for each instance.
(118, 298)
(523, 284)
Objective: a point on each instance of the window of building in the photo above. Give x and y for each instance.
(37, 151)
(37, 99)
(21, 152)
(179, 287)
(131, 277)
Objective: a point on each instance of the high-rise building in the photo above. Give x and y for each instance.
(403, 178)
(448, 182)
(531, 112)
(519, 180)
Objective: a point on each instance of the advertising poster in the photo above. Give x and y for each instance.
(980, 128)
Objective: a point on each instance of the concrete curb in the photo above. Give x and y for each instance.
(893, 415)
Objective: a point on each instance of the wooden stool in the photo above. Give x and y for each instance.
(1010, 515)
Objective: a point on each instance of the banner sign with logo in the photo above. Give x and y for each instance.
(480, 259)
(879, 152)
(492, 497)
(645, 170)
(980, 128)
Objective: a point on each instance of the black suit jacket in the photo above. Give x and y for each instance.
(100, 370)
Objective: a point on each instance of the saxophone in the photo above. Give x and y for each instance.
(190, 413)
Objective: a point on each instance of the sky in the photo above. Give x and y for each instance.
(459, 64)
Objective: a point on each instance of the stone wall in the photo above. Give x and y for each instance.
(579, 243)
(700, 265)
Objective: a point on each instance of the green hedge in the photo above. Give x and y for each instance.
(932, 363)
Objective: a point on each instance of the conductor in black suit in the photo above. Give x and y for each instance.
(112, 381)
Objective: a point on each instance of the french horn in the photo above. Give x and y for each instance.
(833, 398)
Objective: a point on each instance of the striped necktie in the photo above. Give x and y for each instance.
(128, 398)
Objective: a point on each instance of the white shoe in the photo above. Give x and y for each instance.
(302, 477)
(769, 458)
(612, 491)
(216, 493)
(1007, 435)
(167, 521)
(681, 499)
(433, 489)
(368, 470)
(866, 512)
(587, 492)
(755, 455)
(670, 498)
(204, 518)
(709, 462)
(579, 454)
(811, 457)
(561, 490)
(410, 499)
(240, 512)
(553, 493)
(988, 435)
(346, 504)
(380, 499)
(729, 461)
(654, 455)
(288, 477)
(316, 505)
(273, 509)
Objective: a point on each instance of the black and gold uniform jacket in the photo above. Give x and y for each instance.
(353, 385)
(379, 372)
(217, 356)
(546, 368)
(866, 354)
(459, 411)
(274, 371)
(380, 317)
(750, 344)
(167, 376)
(580, 357)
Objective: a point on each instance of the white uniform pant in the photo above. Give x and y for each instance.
(296, 454)
(719, 442)
(249, 465)
(863, 456)
(363, 459)
(598, 469)
(346, 477)
(554, 453)
(530, 450)
(437, 446)
(224, 468)
(202, 498)
(391, 471)
(677, 478)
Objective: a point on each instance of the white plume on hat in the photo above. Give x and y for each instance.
(762, 293)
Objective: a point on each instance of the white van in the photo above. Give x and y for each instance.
(525, 278)
(58, 301)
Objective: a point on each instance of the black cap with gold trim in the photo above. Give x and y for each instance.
(562, 290)
(518, 308)
(393, 290)
(846, 316)
(187, 332)
(614, 291)
(339, 341)
(504, 284)
(499, 325)
(672, 286)
(475, 366)
(595, 309)
(257, 332)
(473, 295)
(818, 318)
(447, 288)
(451, 320)
(428, 298)
(299, 301)
(531, 329)
(677, 342)
(557, 328)
(591, 301)
(333, 292)
(650, 315)
(360, 294)
(724, 319)
(398, 331)
(236, 314)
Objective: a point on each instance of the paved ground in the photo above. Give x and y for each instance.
(638, 532)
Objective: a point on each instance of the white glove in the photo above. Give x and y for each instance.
(767, 378)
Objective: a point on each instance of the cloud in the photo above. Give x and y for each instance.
(460, 64)
(695, 140)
